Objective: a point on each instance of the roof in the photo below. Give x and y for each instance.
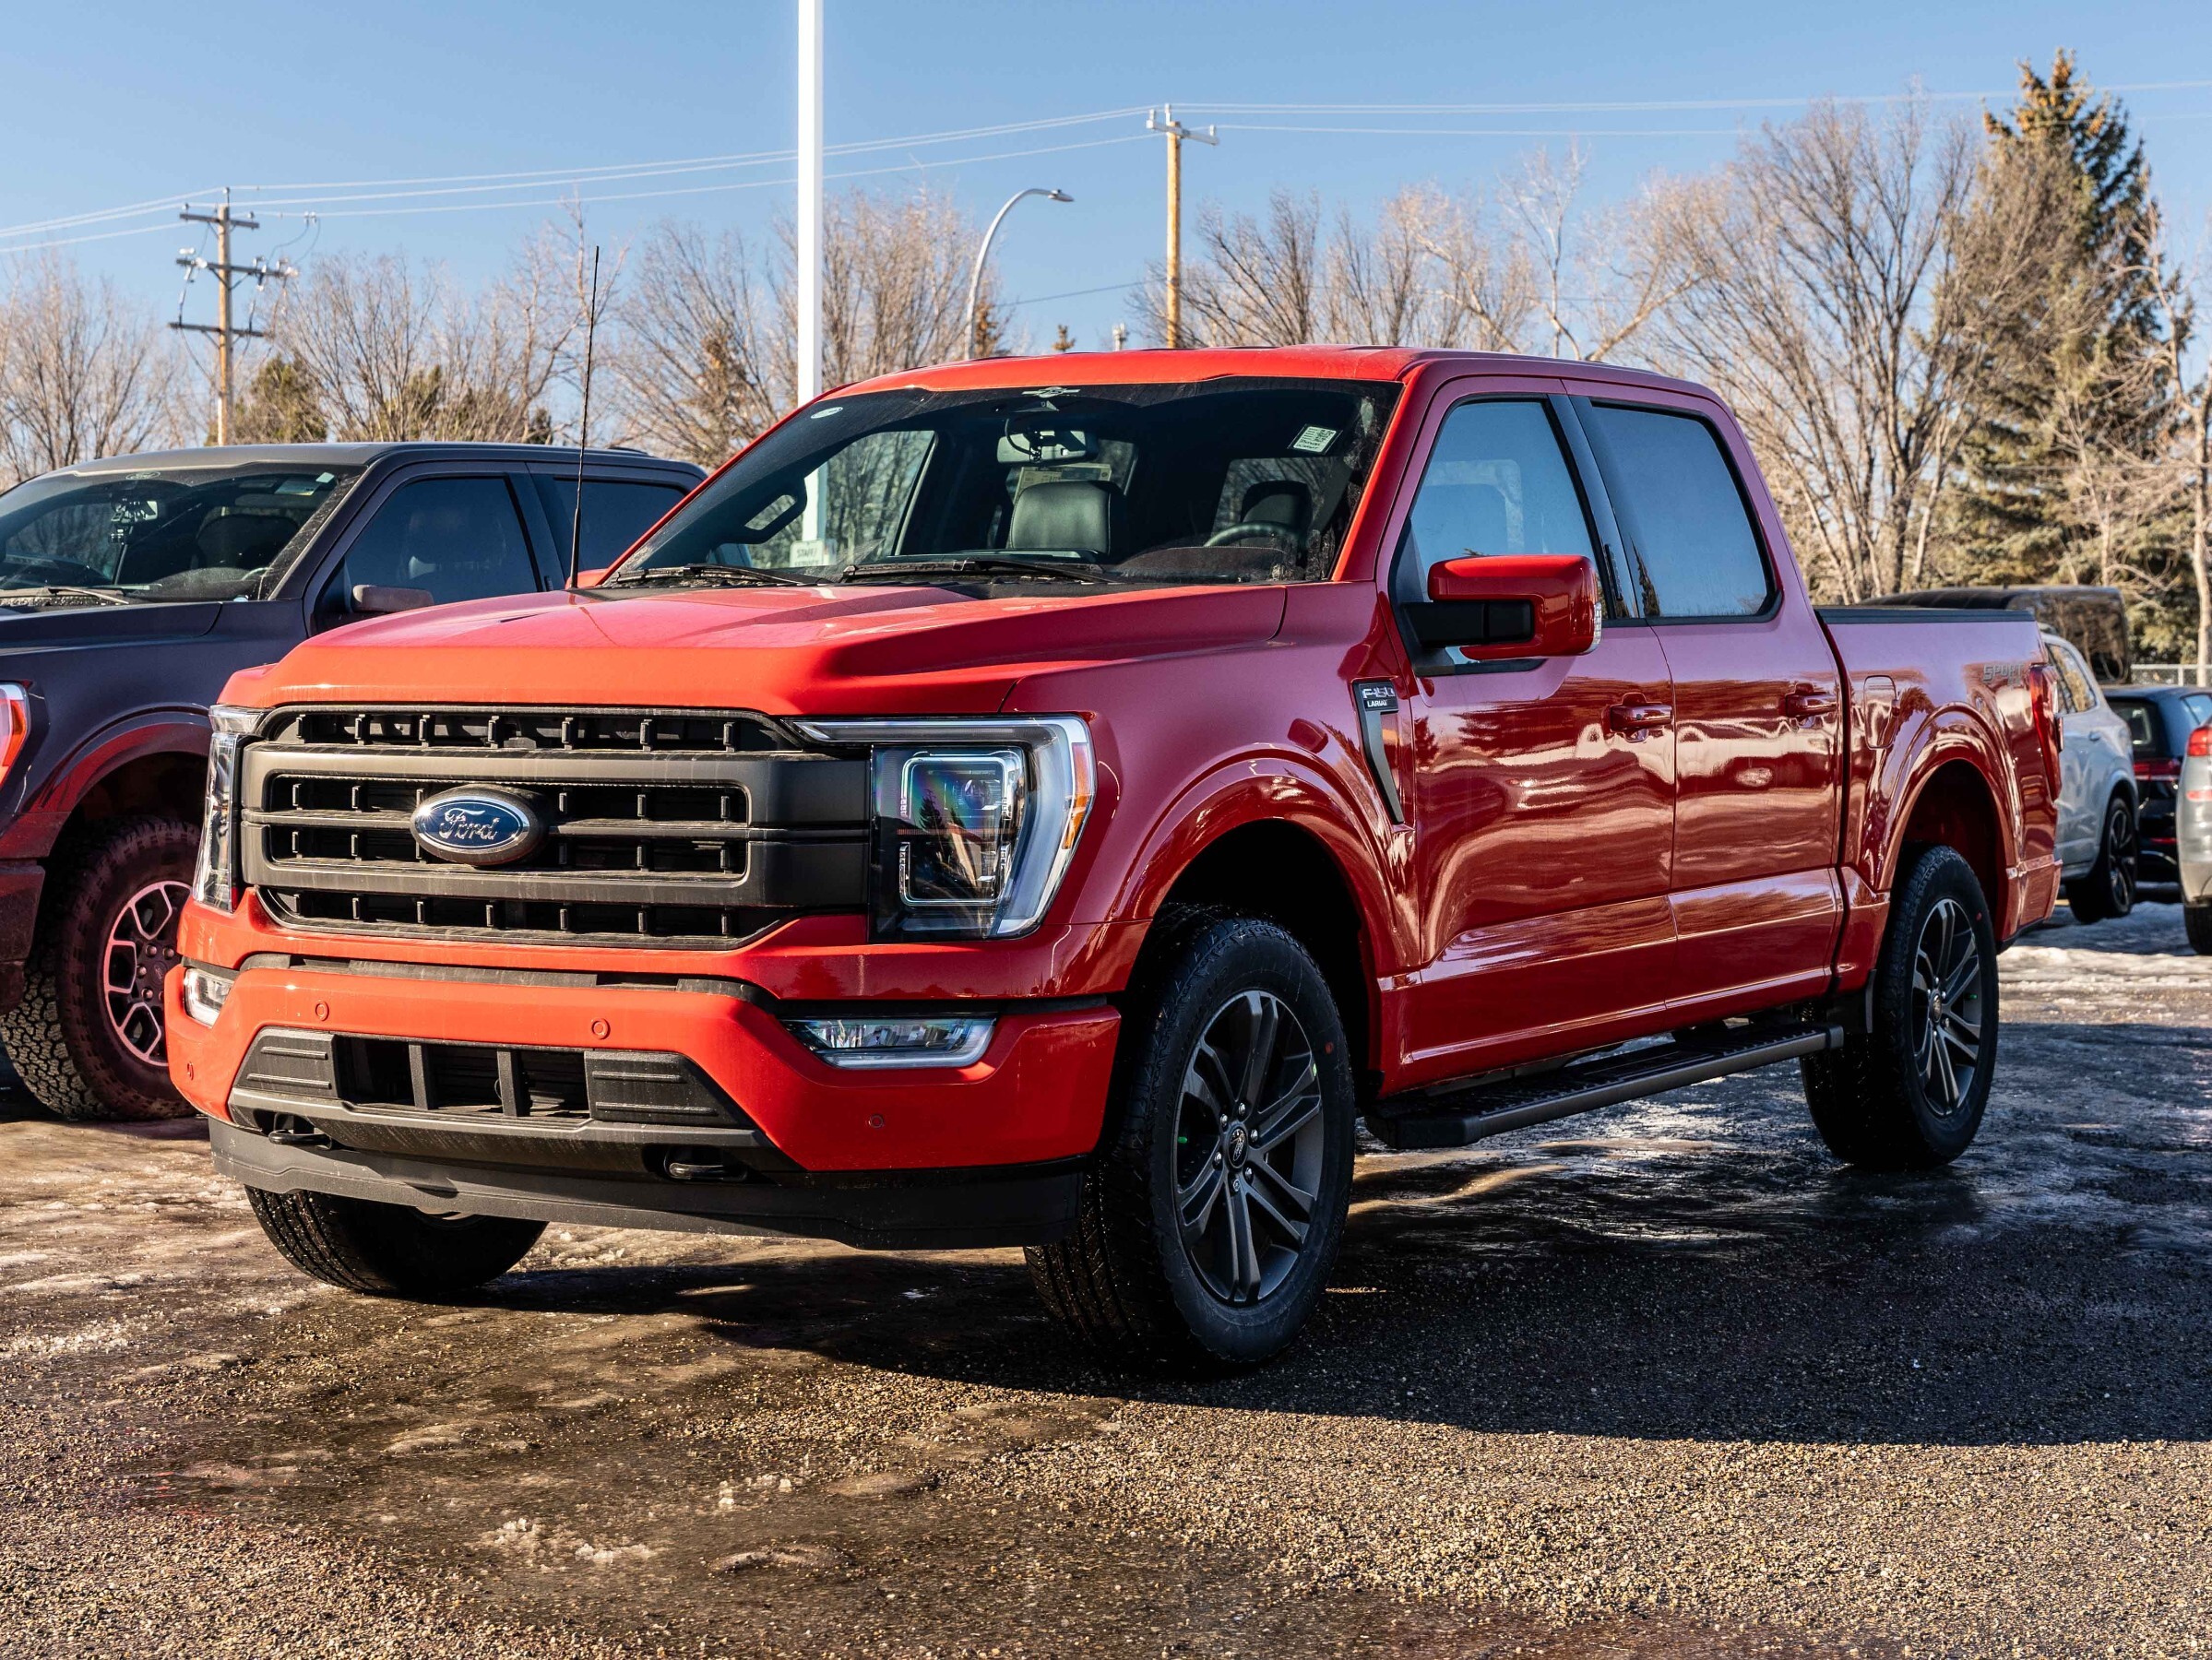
(356, 454)
(1156, 366)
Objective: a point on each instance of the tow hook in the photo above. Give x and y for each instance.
(684, 1167)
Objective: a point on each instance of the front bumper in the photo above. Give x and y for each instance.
(939, 1210)
(1036, 1097)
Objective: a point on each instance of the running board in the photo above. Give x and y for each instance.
(1458, 1118)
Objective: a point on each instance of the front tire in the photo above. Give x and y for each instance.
(1909, 1094)
(2106, 891)
(389, 1250)
(87, 1039)
(1212, 1217)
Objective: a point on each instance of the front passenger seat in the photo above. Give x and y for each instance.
(1067, 514)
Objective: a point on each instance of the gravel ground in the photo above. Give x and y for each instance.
(1660, 1381)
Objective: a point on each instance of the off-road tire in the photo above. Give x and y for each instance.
(389, 1250)
(1873, 1100)
(1125, 1279)
(2107, 890)
(2198, 920)
(59, 1038)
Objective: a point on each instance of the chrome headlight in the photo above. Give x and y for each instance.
(976, 819)
(215, 877)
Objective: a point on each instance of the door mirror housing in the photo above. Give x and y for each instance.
(1515, 605)
(375, 599)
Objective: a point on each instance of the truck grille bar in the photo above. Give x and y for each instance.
(665, 828)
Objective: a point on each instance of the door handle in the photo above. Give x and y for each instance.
(1801, 705)
(1636, 719)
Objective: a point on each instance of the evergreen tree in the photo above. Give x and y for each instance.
(2083, 394)
(281, 406)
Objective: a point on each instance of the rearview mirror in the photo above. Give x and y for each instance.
(374, 600)
(1515, 605)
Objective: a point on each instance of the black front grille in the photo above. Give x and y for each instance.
(683, 828)
(458, 1082)
(592, 732)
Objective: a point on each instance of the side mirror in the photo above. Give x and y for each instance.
(372, 599)
(1516, 605)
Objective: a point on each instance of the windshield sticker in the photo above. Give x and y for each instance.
(1313, 440)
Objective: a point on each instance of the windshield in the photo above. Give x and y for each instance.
(1232, 480)
(180, 533)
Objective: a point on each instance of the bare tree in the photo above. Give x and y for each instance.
(703, 362)
(387, 349)
(2189, 467)
(1597, 279)
(1835, 271)
(894, 283)
(82, 373)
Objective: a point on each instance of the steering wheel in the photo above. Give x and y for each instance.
(1244, 527)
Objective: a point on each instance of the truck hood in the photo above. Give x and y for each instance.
(787, 651)
(26, 635)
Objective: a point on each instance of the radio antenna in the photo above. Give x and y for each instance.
(583, 425)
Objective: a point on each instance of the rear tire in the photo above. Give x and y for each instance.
(389, 1250)
(87, 1039)
(1211, 1219)
(1909, 1094)
(2108, 891)
(2198, 920)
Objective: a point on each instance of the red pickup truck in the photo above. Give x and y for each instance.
(1048, 802)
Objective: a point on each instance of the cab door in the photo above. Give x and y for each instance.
(1758, 709)
(1542, 791)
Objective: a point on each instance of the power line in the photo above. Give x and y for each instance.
(1638, 105)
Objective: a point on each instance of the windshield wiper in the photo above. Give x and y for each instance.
(105, 596)
(737, 576)
(977, 565)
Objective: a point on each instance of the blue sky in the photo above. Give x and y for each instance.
(124, 102)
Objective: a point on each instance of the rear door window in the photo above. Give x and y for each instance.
(452, 539)
(2081, 692)
(2142, 725)
(1673, 487)
(616, 512)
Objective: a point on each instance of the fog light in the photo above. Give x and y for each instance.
(203, 991)
(898, 1041)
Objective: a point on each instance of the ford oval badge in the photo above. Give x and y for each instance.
(478, 826)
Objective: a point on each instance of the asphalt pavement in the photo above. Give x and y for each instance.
(1664, 1380)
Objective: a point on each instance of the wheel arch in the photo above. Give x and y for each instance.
(1954, 805)
(1276, 847)
(149, 765)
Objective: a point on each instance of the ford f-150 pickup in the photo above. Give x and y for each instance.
(1048, 802)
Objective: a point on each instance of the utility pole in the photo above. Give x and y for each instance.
(1163, 121)
(810, 200)
(226, 275)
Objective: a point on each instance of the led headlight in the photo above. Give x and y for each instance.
(898, 1039)
(203, 991)
(976, 819)
(215, 878)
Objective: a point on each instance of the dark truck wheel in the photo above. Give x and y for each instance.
(2107, 890)
(389, 1250)
(1909, 1094)
(1211, 1219)
(87, 1040)
(2198, 920)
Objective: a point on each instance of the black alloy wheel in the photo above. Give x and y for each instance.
(1948, 1007)
(1248, 1146)
(2107, 890)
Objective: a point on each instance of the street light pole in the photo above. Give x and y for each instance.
(809, 237)
(975, 279)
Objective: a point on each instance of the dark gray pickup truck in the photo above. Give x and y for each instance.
(130, 589)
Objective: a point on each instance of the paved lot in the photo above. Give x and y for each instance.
(1662, 1381)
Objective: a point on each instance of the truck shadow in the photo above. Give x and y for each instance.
(1691, 1269)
